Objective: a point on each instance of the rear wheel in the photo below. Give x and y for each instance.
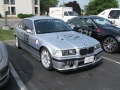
(17, 42)
(110, 45)
(46, 59)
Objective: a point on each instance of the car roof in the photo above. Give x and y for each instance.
(40, 18)
(91, 16)
(114, 9)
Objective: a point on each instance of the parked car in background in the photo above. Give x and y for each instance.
(112, 14)
(100, 29)
(55, 44)
(4, 65)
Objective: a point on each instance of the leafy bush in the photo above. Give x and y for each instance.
(30, 15)
(24, 15)
(20, 15)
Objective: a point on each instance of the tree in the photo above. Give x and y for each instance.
(94, 7)
(75, 6)
(45, 4)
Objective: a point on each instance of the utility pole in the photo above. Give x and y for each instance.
(5, 18)
(39, 7)
(6, 26)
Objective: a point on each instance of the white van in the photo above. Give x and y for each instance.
(112, 14)
(64, 13)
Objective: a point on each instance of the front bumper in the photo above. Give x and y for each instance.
(73, 64)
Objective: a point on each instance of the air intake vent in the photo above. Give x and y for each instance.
(86, 51)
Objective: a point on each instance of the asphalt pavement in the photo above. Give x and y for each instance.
(105, 76)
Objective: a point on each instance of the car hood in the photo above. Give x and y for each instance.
(69, 40)
(116, 29)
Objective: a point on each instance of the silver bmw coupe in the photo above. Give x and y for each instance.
(55, 44)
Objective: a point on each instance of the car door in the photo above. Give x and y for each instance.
(26, 35)
(30, 38)
(114, 17)
(19, 30)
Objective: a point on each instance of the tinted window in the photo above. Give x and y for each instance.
(21, 25)
(75, 21)
(82, 22)
(65, 14)
(114, 14)
(72, 13)
(26, 24)
(50, 25)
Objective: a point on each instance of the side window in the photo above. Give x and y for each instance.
(28, 24)
(75, 21)
(89, 22)
(84, 22)
(21, 25)
(114, 14)
(65, 14)
(103, 13)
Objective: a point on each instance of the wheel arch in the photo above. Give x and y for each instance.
(46, 48)
(109, 36)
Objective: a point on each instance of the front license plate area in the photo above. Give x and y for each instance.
(89, 59)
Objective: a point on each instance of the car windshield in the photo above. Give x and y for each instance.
(72, 13)
(102, 22)
(50, 25)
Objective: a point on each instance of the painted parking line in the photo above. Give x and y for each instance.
(111, 60)
(17, 79)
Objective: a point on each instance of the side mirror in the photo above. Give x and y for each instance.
(29, 31)
(112, 22)
(72, 26)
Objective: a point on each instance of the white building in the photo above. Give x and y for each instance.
(15, 7)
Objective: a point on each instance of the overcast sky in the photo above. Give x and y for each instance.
(82, 3)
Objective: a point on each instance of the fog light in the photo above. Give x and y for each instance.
(68, 63)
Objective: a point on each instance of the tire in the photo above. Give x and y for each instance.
(46, 59)
(17, 44)
(110, 45)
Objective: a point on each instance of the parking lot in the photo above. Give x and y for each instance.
(105, 76)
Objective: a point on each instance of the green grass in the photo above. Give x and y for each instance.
(6, 35)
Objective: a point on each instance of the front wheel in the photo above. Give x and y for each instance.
(17, 42)
(46, 59)
(110, 45)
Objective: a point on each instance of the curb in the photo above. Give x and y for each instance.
(9, 42)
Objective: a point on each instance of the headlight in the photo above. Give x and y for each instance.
(97, 46)
(65, 52)
(68, 52)
(58, 53)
